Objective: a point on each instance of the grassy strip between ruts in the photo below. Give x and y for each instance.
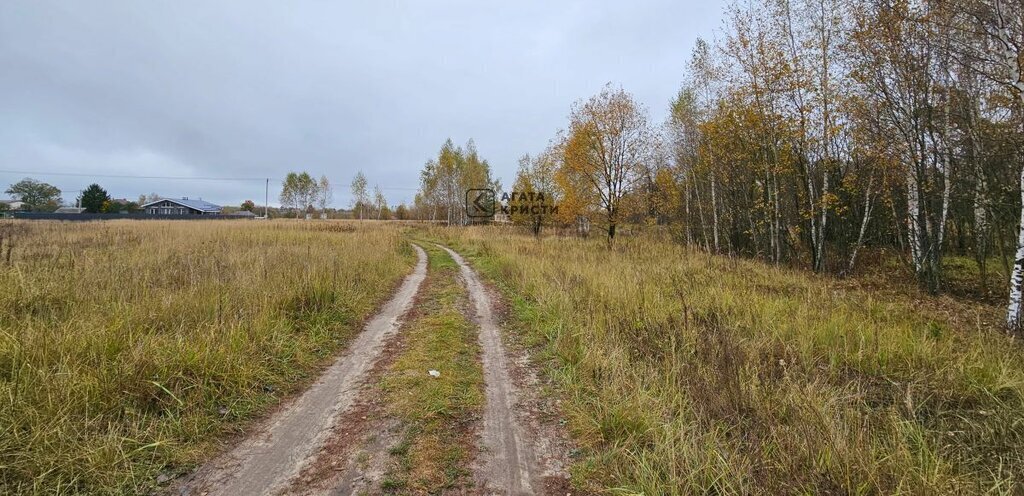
(128, 348)
(437, 447)
(684, 373)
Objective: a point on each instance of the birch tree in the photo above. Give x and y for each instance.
(445, 179)
(325, 194)
(998, 55)
(379, 200)
(289, 191)
(298, 192)
(359, 195)
(609, 143)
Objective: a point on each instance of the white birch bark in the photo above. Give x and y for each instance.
(689, 221)
(1013, 313)
(947, 177)
(824, 220)
(913, 226)
(700, 212)
(771, 223)
(980, 215)
(778, 219)
(813, 216)
(863, 225)
(1011, 59)
(714, 211)
(979, 200)
(980, 205)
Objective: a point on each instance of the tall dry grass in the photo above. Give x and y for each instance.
(683, 373)
(128, 348)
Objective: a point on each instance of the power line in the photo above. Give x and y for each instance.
(125, 176)
(182, 178)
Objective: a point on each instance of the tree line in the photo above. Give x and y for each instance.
(811, 131)
(39, 196)
(302, 194)
(365, 207)
(445, 179)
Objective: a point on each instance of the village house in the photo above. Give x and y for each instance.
(15, 204)
(69, 210)
(183, 206)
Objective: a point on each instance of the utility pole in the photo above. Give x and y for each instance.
(266, 198)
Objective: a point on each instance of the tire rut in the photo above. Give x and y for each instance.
(265, 461)
(507, 461)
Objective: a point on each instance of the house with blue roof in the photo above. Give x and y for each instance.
(184, 206)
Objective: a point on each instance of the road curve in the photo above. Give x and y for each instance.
(508, 464)
(265, 461)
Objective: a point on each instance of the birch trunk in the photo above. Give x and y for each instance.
(1012, 61)
(714, 211)
(981, 231)
(771, 221)
(689, 222)
(913, 221)
(700, 212)
(863, 225)
(820, 258)
(947, 177)
(778, 219)
(813, 218)
(1013, 314)
(980, 210)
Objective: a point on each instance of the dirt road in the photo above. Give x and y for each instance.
(265, 461)
(507, 463)
(322, 443)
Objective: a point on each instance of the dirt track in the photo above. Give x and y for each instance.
(521, 451)
(265, 461)
(507, 463)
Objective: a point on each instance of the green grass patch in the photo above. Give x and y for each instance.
(435, 453)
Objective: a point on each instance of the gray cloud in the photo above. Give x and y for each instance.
(255, 89)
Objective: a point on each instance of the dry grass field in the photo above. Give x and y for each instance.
(130, 350)
(683, 373)
(127, 348)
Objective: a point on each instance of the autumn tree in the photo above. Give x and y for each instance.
(987, 37)
(36, 194)
(402, 211)
(445, 179)
(783, 141)
(609, 143)
(577, 201)
(814, 133)
(894, 68)
(535, 194)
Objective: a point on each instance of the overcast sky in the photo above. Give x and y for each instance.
(252, 89)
